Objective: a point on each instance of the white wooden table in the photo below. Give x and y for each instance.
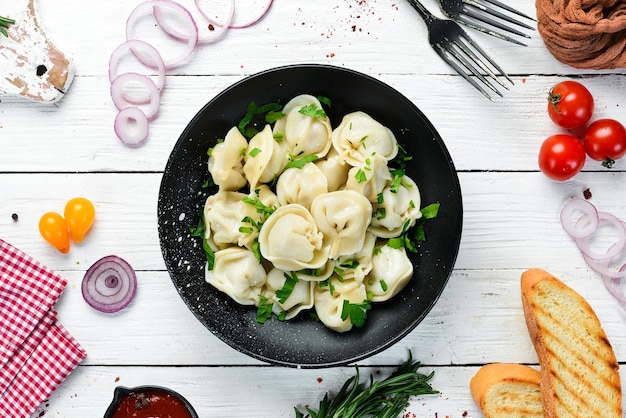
(50, 153)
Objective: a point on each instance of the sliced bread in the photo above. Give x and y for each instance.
(507, 391)
(579, 371)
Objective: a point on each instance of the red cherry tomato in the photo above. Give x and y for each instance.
(605, 140)
(79, 215)
(561, 156)
(53, 229)
(570, 105)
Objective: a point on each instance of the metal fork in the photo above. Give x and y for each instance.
(485, 15)
(456, 48)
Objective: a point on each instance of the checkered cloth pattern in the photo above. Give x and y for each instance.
(36, 351)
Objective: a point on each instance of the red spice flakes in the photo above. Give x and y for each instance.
(464, 414)
(587, 194)
(320, 380)
(211, 27)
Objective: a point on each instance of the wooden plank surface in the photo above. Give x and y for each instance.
(49, 154)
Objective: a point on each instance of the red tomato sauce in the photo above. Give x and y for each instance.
(152, 403)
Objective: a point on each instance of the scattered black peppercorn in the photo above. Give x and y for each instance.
(41, 70)
(14, 217)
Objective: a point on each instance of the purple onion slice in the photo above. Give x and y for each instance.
(109, 284)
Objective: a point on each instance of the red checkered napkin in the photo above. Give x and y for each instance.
(36, 352)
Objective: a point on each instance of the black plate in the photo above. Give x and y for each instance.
(302, 341)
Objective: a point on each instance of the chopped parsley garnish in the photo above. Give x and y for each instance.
(253, 110)
(325, 100)
(360, 176)
(264, 310)
(409, 241)
(383, 285)
(4, 24)
(357, 312)
(254, 152)
(291, 279)
(295, 162)
(397, 174)
(199, 231)
(313, 111)
(259, 206)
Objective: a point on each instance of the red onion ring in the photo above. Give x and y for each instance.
(613, 250)
(220, 28)
(252, 22)
(190, 39)
(124, 130)
(615, 287)
(109, 284)
(147, 49)
(118, 94)
(579, 229)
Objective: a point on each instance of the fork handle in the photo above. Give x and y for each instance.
(424, 13)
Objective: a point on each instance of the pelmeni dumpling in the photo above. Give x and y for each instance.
(359, 136)
(291, 241)
(370, 178)
(391, 271)
(335, 170)
(226, 161)
(329, 304)
(266, 196)
(237, 272)
(223, 215)
(265, 159)
(304, 134)
(301, 185)
(394, 208)
(343, 217)
(300, 298)
(357, 266)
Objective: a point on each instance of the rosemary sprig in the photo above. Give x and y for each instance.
(4, 24)
(382, 399)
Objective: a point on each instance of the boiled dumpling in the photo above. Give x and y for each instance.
(391, 271)
(329, 303)
(396, 207)
(369, 179)
(304, 134)
(301, 185)
(265, 159)
(357, 266)
(266, 196)
(300, 298)
(223, 216)
(237, 272)
(226, 161)
(291, 241)
(334, 169)
(359, 136)
(343, 217)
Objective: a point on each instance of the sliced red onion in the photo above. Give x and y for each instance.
(146, 50)
(131, 126)
(614, 249)
(118, 94)
(219, 28)
(244, 25)
(190, 38)
(109, 284)
(615, 286)
(583, 226)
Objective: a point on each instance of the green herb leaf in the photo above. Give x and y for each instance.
(325, 100)
(291, 279)
(357, 312)
(4, 24)
(254, 152)
(385, 398)
(360, 176)
(251, 111)
(300, 162)
(312, 110)
(264, 310)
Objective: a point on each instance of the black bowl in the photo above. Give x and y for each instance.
(302, 341)
(121, 392)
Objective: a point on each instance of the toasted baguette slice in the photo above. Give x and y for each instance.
(507, 391)
(579, 371)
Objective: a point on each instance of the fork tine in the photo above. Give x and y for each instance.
(505, 7)
(480, 62)
(443, 53)
(472, 8)
(472, 24)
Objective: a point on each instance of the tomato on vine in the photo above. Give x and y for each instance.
(53, 229)
(79, 215)
(605, 140)
(561, 156)
(570, 104)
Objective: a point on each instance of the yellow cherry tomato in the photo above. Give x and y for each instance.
(79, 216)
(53, 229)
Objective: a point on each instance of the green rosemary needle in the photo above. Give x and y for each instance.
(4, 24)
(382, 399)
